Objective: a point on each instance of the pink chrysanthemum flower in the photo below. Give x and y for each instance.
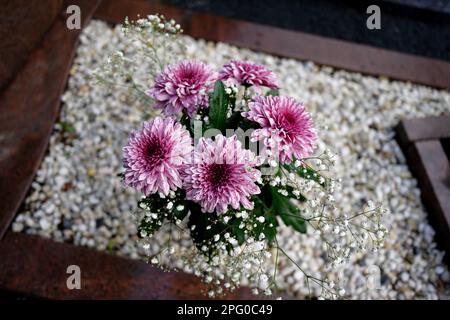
(248, 74)
(222, 174)
(154, 155)
(183, 86)
(286, 126)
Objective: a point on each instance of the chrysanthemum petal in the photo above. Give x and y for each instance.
(285, 125)
(155, 155)
(219, 178)
(183, 86)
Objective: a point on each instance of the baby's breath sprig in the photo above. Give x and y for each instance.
(154, 35)
(154, 38)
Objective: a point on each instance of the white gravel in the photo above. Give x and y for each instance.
(77, 198)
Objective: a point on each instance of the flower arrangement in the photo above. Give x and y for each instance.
(229, 162)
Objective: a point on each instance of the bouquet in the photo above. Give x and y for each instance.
(228, 162)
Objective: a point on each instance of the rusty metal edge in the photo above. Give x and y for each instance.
(429, 164)
(21, 86)
(35, 266)
(429, 128)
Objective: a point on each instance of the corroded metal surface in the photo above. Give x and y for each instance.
(431, 128)
(37, 266)
(29, 108)
(422, 143)
(22, 25)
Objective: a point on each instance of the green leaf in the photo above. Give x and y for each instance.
(201, 234)
(273, 92)
(235, 119)
(238, 233)
(218, 107)
(154, 204)
(266, 195)
(149, 225)
(298, 223)
(185, 121)
(197, 223)
(289, 212)
(270, 232)
(307, 172)
(310, 174)
(268, 227)
(111, 245)
(290, 191)
(67, 127)
(180, 214)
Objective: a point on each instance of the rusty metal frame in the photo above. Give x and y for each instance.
(422, 143)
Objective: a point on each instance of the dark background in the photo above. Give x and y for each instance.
(420, 27)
